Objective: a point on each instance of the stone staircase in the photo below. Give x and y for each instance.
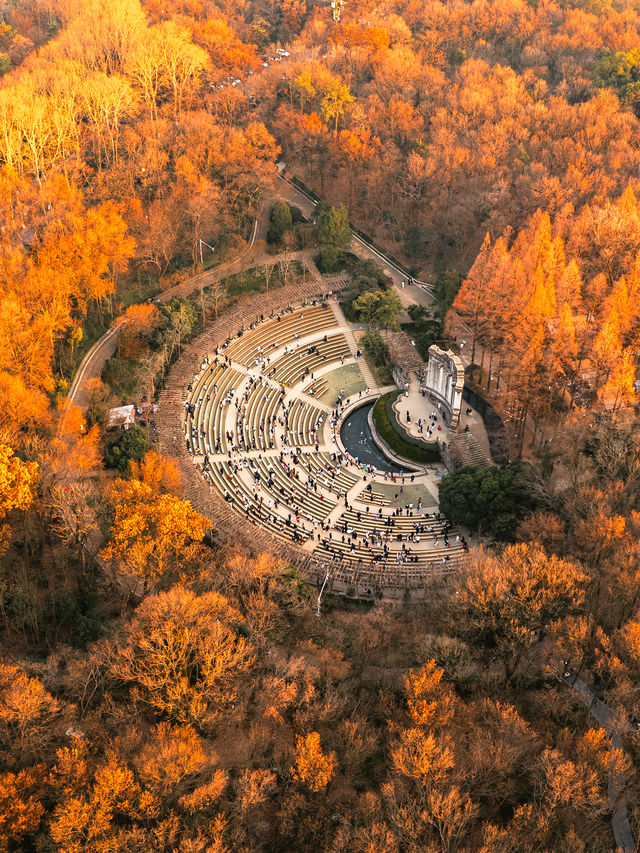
(346, 330)
(464, 449)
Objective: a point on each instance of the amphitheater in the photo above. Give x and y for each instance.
(253, 411)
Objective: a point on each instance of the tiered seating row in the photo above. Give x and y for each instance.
(316, 388)
(252, 428)
(324, 468)
(245, 502)
(295, 496)
(292, 367)
(276, 332)
(205, 427)
(427, 545)
(304, 421)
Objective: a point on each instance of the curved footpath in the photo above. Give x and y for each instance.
(392, 581)
(614, 727)
(252, 255)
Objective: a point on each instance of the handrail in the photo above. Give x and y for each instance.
(357, 234)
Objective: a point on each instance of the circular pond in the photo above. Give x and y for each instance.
(358, 441)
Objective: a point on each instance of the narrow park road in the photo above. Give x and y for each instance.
(614, 727)
(252, 255)
(93, 363)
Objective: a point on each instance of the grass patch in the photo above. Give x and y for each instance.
(398, 440)
(347, 377)
(411, 492)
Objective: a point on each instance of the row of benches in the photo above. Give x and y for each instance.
(274, 333)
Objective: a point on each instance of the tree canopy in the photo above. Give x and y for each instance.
(131, 445)
(489, 501)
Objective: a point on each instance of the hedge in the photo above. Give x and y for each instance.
(390, 431)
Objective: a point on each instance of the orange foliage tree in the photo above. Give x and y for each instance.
(153, 536)
(313, 768)
(182, 656)
(17, 487)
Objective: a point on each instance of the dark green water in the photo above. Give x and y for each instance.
(358, 441)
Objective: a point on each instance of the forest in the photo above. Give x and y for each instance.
(163, 690)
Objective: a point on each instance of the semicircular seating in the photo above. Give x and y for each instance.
(263, 443)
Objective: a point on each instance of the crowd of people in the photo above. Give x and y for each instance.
(308, 489)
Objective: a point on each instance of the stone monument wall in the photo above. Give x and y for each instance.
(444, 380)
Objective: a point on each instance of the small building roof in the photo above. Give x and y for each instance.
(401, 350)
(121, 416)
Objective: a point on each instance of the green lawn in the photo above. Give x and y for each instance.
(347, 377)
(411, 493)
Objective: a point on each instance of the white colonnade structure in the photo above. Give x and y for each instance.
(444, 380)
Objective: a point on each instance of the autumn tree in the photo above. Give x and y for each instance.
(137, 325)
(159, 472)
(21, 808)
(501, 600)
(98, 810)
(313, 768)
(166, 58)
(430, 701)
(75, 255)
(73, 510)
(182, 656)
(173, 759)
(27, 711)
(334, 103)
(153, 537)
(17, 487)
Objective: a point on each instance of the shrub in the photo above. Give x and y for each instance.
(330, 260)
(375, 347)
(133, 443)
(280, 222)
(490, 501)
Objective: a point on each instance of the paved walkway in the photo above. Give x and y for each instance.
(614, 727)
(253, 255)
(420, 407)
(345, 328)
